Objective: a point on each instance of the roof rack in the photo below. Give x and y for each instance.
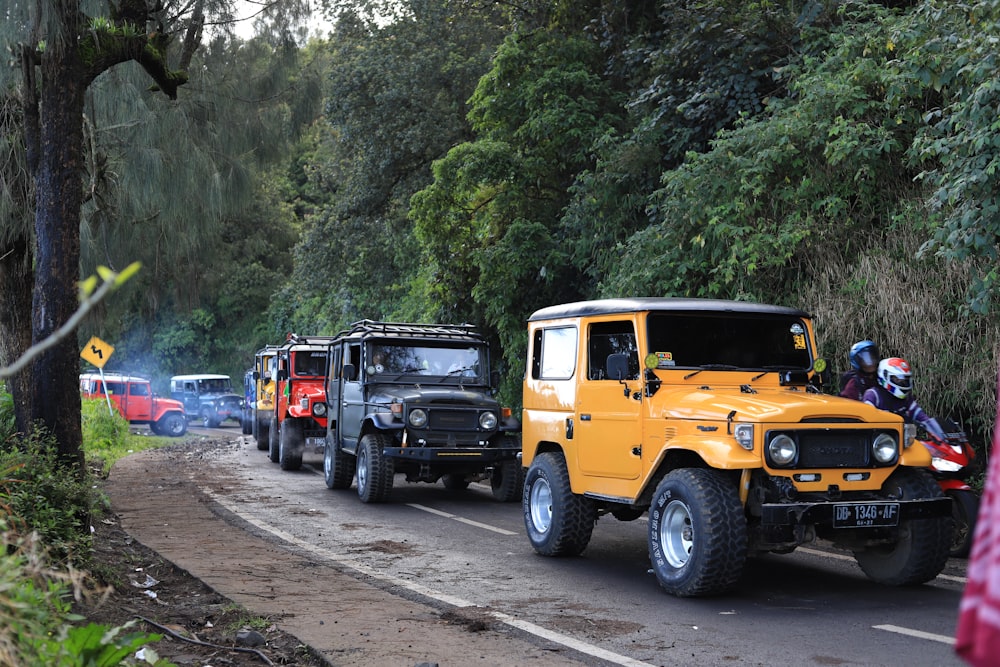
(296, 339)
(412, 329)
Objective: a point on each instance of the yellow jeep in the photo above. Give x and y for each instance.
(262, 405)
(710, 416)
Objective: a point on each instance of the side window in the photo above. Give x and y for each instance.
(354, 357)
(139, 388)
(554, 353)
(189, 388)
(605, 339)
(116, 388)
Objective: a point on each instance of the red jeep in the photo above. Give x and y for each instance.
(133, 397)
(300, 400)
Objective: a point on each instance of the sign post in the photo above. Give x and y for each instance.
(96, 351)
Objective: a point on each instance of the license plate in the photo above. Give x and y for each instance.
(862, 515)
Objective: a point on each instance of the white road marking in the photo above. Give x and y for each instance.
(470, 522)
(919, 634)
(455, 601)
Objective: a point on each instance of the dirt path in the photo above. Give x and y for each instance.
(158, 498)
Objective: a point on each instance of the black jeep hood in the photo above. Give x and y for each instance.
(432, 395)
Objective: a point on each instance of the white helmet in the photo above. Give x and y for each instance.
(895, 377)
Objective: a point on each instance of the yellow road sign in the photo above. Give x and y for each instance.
(96, 351)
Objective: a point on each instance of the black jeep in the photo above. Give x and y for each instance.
(416, 399)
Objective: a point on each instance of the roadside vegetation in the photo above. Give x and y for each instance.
(45, 519)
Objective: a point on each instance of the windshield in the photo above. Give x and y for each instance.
(215, 386)
(309, 363)
(725, 340)
(458, 361)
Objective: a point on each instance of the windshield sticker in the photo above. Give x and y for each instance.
(665, 359)
(800, 341)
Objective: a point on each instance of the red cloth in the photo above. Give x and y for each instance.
(977, 639)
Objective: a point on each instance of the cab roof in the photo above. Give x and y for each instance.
(645, 304)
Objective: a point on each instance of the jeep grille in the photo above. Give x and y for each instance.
(453, 420)
(843, 448)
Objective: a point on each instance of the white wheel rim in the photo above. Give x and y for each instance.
(362, 469)
(676, 534)
(541, 505)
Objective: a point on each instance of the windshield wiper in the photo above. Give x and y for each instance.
(772, 369)
(712, 367)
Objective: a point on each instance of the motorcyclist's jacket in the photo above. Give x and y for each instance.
(907, 408)
(854, 384)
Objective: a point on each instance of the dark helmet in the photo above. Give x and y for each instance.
(864, 356)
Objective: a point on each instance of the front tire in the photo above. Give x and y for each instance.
(338, 466)
(375, 470)
(290, 444)
(921, 550)
(172, 424)
(697, 533)
(558, 522)
(507, 481)
(964, 510)
(208, 419)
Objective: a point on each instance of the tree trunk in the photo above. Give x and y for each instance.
(15, 322)
(58, 197)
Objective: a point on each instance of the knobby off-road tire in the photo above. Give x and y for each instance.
(921, 551)
(290, 444)
(263, 429)
(558, 522)
(455, 482)
(507, 481)
(273, 449)
(208, 420)
(697, 533)
(172, 424)
(338, 466)
(964, 510)
(374, 469)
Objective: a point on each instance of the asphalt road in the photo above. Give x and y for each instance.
(811, 607)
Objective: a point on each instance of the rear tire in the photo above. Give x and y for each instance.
(455, 482)
(338, 465)
(507, 481)
(263, 428)
(964, 510)
(374, 469)
(921, 551)
(246, 421)
(558, 522)
(273, 449)
(290, 444)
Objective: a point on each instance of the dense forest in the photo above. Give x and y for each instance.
(472, 161)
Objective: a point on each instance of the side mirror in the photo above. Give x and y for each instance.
(350, 372)
(617, 367)
(282, 375)
(494, 379)
(255, 375)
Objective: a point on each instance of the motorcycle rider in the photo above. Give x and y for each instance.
(864, 361)
(893, 392)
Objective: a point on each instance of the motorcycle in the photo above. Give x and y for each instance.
(951, 466)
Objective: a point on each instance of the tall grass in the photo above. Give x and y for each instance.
(912, 308)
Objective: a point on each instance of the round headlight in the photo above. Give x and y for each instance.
(319, 409)
(487, 421)
(884, 448)
(782, 450)
(418, 418)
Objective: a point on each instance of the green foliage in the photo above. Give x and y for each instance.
(951, 50)
(36, 623)
(50, 500)
(7, 427)
(105, 434)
